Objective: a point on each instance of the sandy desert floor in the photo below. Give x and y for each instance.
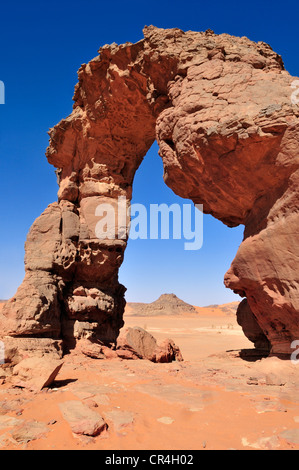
(218, 398)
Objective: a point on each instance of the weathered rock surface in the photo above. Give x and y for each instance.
(90, 349)
(18, 348)
(82, 419)
(220, 108)
(36, 373)
(291, 435)
(120, 419)
(8, 421)
(30, 431)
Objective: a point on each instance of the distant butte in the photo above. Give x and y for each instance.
(166, 304)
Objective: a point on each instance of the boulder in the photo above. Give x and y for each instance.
(167, 351)
(90, 349)
(36, 373)
(137, 343)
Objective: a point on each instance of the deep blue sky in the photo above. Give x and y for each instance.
(43, 45)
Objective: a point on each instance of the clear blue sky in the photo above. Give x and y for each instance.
(43, 45)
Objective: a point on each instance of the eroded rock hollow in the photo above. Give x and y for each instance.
(220, 108)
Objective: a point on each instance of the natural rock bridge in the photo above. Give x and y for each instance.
(220, 108)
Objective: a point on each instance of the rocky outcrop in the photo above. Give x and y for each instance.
(220, 108)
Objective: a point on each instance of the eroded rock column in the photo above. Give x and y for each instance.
(230, 141)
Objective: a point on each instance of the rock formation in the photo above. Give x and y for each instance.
(137, 343)
(166, 304)
(220, 108)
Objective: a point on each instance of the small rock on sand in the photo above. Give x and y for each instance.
(165, 420)
(82, 419)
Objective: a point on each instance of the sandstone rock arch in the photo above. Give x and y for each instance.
(228, 133)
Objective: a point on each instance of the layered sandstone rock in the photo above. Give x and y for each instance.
(220, 109)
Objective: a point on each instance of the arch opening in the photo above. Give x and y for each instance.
(154, 267)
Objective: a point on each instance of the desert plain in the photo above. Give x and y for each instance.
(222, 396)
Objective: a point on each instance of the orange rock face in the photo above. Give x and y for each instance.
(220, 108)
